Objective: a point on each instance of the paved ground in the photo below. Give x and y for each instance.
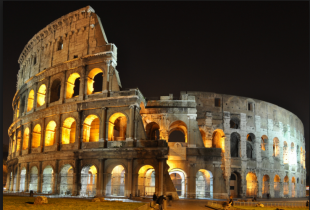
(188, 205)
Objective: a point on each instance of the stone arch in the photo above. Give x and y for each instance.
(117, 129)
(250, 146)
(91, 128)
(116, 181)
(22, 180)
(286, 186)
(41, 95)
(68, 131)
(33, 184)
(276, 186)
(48, 180)
(266, 186)
(55, 90)
(179, 180)
(234, 123)
(234, 144)
(204, 137)
(251, 184)
(180, 126)
(73, 85)
(293, 186)
(285, 153)
(91, 80)
(50, 133)
(235, 184)
(36, 136)
(30, 100)
(146, 181)
(276, 147)
(204, 184)
(218, 139)
(89, 180)
(66, 179)
(19, 138)
(26, 138)
(152, 131)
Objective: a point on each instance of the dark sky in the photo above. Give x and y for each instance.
(254, 49)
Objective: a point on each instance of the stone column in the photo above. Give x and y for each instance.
(21, 139)
(135, 185)
(18, 178)
(42, 142)
(27, 178)
(281, 189)
(30, 138)
(101, 177)
(131, 120)
(259, 184)
(271, 187)
(56, 177)
(191, 190)
(40, 178)
(108, 63)
(129, 178)
(76, 178)
(219, 186)
(161, 176)
(243, 184)
(102, 130)
(58, 133)
(83, 86)
(11, 179)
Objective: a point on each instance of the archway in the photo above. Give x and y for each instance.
(36, 136)
(275, 147)
(218, 139)
(249, 150)
(234, 144)
(26, 138)
(235, 184)
(276, 186)
(117, 127)
(266, 186)
(22, 180)
(177, 132)
(41, 95)
(33, 184)
(93, 84)
(30, 100)
(91, 129)
(116, 183)
(15, 180)
(152, 131)
(234, 123)
(178, 178)
(48, 180)
(146, 181)
(19, 138)
(293, 187)
(205, 141)
(73, 85)
(68, 131)
(204, 184)
(55, 90)
(250, 146)
(264, 141)
(66, 180)
(285, 153)
(251, 184)
(88, 181)
(50, 133)
(285, 187)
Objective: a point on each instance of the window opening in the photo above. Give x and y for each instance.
(217, 102)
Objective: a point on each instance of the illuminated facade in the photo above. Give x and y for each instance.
(75, 131)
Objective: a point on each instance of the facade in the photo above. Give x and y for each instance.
(75, 131)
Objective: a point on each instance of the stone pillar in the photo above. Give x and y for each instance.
(27, 176)
(40, 178)
(42, 142)
(100, 190)
(30, 138)
(76, 178)
(56, 177)
(83, 86)
(102, 130)
(135, 184)
(271, 187)
(243, 184)
(131, 121)
(11, 179)
(58, 134)
(21, 139)
(161, 176)
(191, 190)
(129, 178)
(281, 189)
(259, 184)
(219, 185)
(18, 178)
(108, 63)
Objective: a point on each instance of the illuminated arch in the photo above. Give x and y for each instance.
(266, 187)
(178, 177)
(146, 180)
(218, 139)
(178, 126)
(204, 184)
(251, 184)
(68, 131)
(17, 109)
(19, 138)
(117, 127)
(30, 100)
(90, 80)
(293, 187)
(264, 140)
(33, 184)
(36, 136)
(22, 179)
(276, 147)
(116, 183)
(152, 131)
(26, 138)
(66, 180)
(285, 186)
(50, 133)
(55, 90)
(14, 143)
(48, 180)
(41, 95)
(72, 80)
(204, 138)
(91, 129)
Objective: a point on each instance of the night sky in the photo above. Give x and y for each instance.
(253, 49)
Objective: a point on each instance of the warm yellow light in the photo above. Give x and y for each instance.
(122, 127)
(91, 129)
(178, 125)
(218, 139)
(70, 84)
(50, 133)
(30, 100)
(90, 79)
(41, 95)
(14, 143)
(36, 136)
(17, 111)
(19, 136)
(68, 131)
(26, 138)
(93, 170)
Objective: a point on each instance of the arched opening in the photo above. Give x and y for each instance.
(177, 132)
(285, 153)
(293, 187)
(50, 133)
(285, 187)
(117, 127)
(66, 180)
(13, 143)
(19, 138)
(204, 184)
(218, 139)
(116, 182)
(33, 184)
(73, 85)
(266, 186)
(249, 150)
(55, 90)
(94, 81)
(297, 188)
(30, 100)
(152, 131)
(292, 155)
(48, 180)
(41, 95)
(36, 136)
(91, 129)
(22, 180)
(234, 123)
(146, 181)
(60, 45)
(275, 147)
(68, 131)
(17, 109)
(22, 105)
(26, 138)
(15, 180)
(276, 186)
(178, 178)
(206, 143)
(251, 185)
(234, 144)
(88, 181)
(235, 184)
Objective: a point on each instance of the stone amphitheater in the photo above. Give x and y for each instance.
(77, 132)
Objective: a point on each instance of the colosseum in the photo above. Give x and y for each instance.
(77, 132)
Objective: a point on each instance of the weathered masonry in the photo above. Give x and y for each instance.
(75, 131)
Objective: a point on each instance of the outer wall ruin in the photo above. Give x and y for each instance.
(75, 131)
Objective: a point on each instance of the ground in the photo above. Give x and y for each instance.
(20, 203)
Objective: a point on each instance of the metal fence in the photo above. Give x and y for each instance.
(237, 204)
